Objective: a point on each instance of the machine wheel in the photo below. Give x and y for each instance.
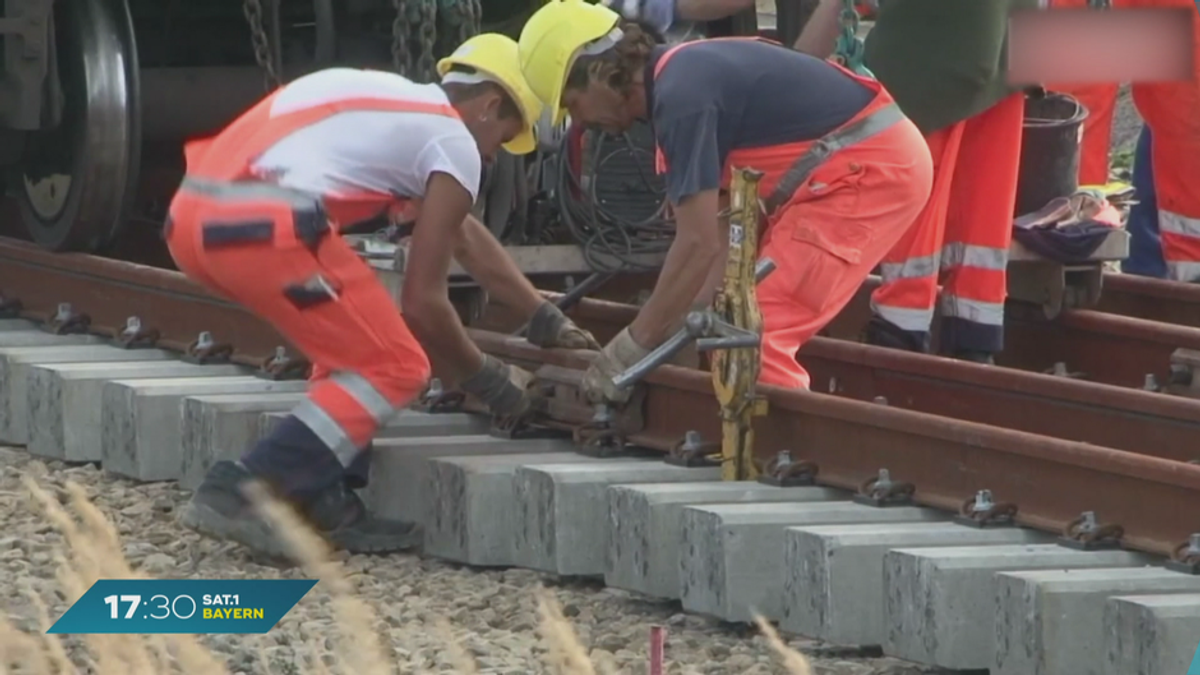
(75, 181)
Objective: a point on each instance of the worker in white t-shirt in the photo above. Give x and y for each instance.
(257, 220)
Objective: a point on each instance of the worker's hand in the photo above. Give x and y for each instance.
(616, 357)
(659, 14)
(503, 387)
(549, 327)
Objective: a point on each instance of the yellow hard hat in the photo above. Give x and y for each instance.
(551, 40)
(494, 57)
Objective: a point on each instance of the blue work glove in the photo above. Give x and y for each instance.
(503, 387)
(616, 357)
(659, 14)
(549, 327)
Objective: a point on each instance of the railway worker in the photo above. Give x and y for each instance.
(256, 219)
(952, 83)
(846, 173)
(1170, 112)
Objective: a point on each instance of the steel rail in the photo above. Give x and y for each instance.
(1099, 347)
(1151, 299)
(1146, 423)
(108, 292)
(1050, 481)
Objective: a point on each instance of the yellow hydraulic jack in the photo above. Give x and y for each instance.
(735, 370)
(732, 329)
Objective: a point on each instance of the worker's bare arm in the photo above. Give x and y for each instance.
(488, 263)
(820, 34)
(696, 248)
(716, 273)
(710, 10)
(425, 299)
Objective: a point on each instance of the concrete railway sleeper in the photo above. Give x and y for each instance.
(907, 578)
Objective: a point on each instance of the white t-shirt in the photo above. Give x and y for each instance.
(378, 151)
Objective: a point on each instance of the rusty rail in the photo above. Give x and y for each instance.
(1146, 423)
(1151, 299)
(1050, 481)
(1099, 347)
(33, 282)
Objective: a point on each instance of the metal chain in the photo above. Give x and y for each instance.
(426, 65)
(849, 52)
(472, 18)
(401, 56)
(261, 44)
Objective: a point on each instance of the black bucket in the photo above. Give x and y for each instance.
(1050, 146)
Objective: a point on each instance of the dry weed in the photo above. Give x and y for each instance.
(92, 550)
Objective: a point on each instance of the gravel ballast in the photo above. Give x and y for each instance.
(493, 614)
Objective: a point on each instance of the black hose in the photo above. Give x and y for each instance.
(600, 232)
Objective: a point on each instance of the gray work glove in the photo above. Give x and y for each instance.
(616, 357)
(549, 327)
(501, 386)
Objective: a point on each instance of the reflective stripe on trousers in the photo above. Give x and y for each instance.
(335, 436)
(924, 267)
(1187, 233)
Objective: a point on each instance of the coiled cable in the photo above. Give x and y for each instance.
(612, 242)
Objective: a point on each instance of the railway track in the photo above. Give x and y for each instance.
(1100, 461)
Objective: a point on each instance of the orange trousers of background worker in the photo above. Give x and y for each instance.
(964, 233)
(1172, 111)
(275, 252)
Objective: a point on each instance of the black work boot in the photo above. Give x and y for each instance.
(883, 333)
(221, 510)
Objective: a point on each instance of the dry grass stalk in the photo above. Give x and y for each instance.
(566, 653)
(458, 656)
(793, 661)
(361, 646)
(93, 551)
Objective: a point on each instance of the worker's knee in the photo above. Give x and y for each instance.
(400, 378)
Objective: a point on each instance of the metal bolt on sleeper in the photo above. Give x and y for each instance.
(692, 441)
(983, 501)
(133, 326)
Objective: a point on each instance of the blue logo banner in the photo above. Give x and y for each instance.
(195, 606)
(1194, 669)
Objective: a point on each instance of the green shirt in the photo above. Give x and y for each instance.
(942, 60)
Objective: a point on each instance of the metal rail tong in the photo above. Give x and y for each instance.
(732, 330)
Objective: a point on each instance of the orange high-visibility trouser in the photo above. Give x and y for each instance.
(273, 251)
(1172, 112)
(964, 231)
(827, 235)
